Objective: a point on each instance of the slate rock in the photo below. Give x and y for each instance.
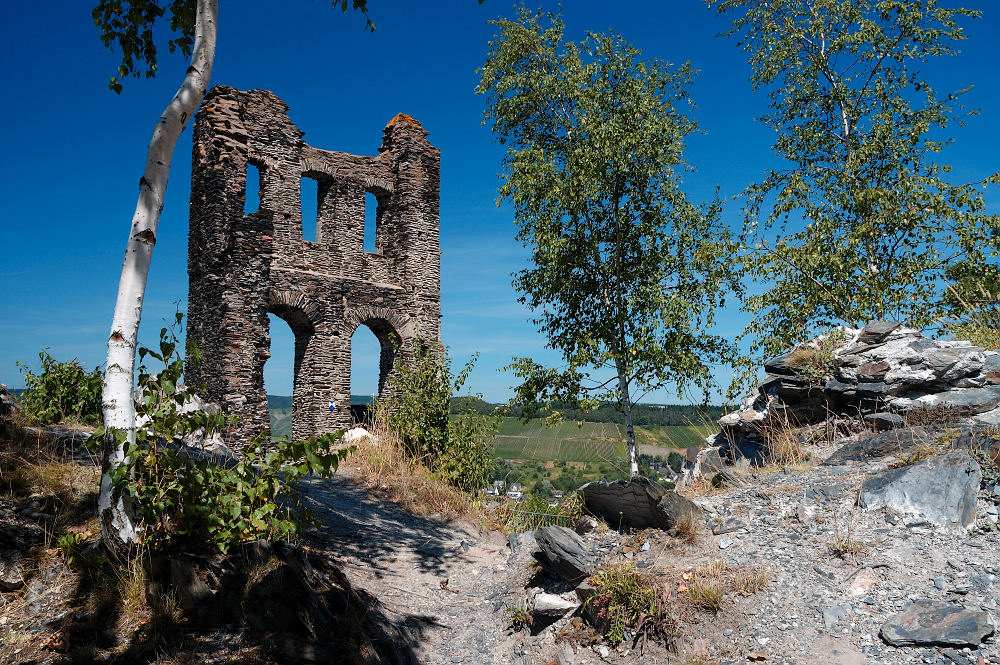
(638, 503)
(11, 572)
(934, 623)
(892, 442)
(884, 421)
(942, 490)
(563, 553)
(726, 478)
(193, 595)
(877, 331)
(521, 541)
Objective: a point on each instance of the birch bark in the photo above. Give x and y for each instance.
(118, 525)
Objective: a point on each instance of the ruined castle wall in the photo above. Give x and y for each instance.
(241, 267)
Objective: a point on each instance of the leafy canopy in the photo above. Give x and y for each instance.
(625, 272)
(866, 224)
(128, 25)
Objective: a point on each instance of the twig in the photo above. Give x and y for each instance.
(867, 565)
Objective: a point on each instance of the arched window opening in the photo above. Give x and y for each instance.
(279, 376)
(365, 355)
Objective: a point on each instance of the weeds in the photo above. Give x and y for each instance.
(631, 602)
(519, 617)
(917, 454)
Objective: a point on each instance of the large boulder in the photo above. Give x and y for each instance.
(564, 553)
(638, 503)
(941, 490)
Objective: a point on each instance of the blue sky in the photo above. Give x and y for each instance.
(74, 151)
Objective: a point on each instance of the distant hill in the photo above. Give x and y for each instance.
(284, 402)
(642, 414)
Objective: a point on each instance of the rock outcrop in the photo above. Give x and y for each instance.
(880, 377)
(638, 503)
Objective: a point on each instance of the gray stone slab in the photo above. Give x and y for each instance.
(934, 623)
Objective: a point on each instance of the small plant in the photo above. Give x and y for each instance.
(62, 392)
(631, 602)
(686, 529)
(844, 546)
(518, 617)
(814, 360)
(70, 544)
(917, 454)
(200, 500)
(937, 414)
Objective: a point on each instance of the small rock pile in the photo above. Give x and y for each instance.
(880, 377)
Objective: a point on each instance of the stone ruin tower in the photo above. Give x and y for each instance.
(243, 266)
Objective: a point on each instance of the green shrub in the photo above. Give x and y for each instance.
(416, 408)
(201, 501)
(62, 392)
(631, 601)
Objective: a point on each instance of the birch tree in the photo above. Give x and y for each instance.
(626, 273)
(129, 26)
(861, 220)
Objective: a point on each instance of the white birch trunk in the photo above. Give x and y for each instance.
(117, 520)
(626, 402)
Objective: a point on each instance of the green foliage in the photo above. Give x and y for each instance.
(626, 273)
(628, 602)
(198, 500)
(973, 301)
(534, 512)
(129, 26)
(866, 224)
(70, 544)
(676, 461)
(416, 407)
(62, 392)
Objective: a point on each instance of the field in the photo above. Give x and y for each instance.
(674, 436)
(589, 442)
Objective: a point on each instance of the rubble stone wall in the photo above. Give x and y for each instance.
(242, 267)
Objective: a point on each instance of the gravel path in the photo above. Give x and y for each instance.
(444, 580)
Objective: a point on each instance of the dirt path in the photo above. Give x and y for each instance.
(445, 581)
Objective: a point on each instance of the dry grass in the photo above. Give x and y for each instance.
(706, 586)
(748, 581)
(382, 465)
(686, 529)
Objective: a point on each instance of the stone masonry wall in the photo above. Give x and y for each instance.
(242, 267)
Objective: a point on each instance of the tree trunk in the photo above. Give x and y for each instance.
(117, 519)
(626, 402)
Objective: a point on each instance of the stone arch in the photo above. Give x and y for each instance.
(390, 329)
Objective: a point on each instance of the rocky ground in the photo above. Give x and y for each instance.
(839, 582)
